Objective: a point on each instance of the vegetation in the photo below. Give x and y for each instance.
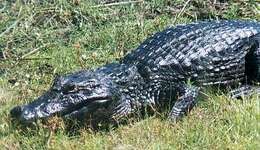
(40, 39)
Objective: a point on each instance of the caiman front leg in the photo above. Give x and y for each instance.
(186, 101)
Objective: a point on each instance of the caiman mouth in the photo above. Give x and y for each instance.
(71, 106)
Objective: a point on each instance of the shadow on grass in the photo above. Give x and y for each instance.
(73, 127)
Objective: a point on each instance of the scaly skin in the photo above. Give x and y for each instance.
(157, 73)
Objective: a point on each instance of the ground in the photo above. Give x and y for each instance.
(39, 40)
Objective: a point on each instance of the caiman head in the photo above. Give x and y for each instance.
(78, 94)
(75, 93)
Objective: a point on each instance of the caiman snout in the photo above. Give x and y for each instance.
(21, 114)
(16, 112)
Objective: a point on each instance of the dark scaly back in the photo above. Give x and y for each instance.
(205, 52)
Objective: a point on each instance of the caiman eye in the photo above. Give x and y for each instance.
(68, 88)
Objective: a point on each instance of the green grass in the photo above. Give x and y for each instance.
(67, 36)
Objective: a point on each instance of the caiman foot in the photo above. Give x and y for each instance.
(185, 103)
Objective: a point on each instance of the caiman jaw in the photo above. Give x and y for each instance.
(40, 109)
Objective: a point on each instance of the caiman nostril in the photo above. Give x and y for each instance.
(16, 112)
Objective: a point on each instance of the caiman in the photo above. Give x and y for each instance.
(169, 68)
